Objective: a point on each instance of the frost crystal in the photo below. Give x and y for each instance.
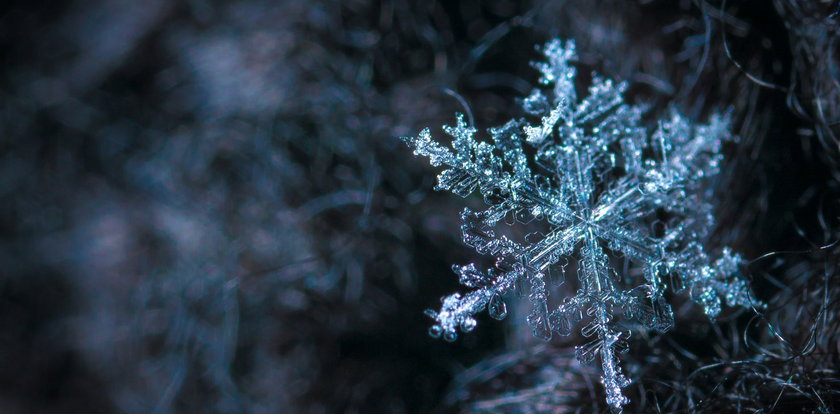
(605, 189)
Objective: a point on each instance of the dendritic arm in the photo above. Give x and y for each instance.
(457, 310)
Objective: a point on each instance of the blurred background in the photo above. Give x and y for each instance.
(204, 206)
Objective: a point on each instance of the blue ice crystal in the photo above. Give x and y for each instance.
(604, 188)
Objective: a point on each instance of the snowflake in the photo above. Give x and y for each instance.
(606, 190)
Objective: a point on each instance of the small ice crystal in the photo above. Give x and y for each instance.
(603, 186)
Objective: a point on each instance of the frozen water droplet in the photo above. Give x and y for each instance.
(450, 336)
(435, 331)
(497, 307)
(468, 324)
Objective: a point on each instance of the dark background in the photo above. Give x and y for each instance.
(204, 206)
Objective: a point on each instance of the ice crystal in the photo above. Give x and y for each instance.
(605, 188)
